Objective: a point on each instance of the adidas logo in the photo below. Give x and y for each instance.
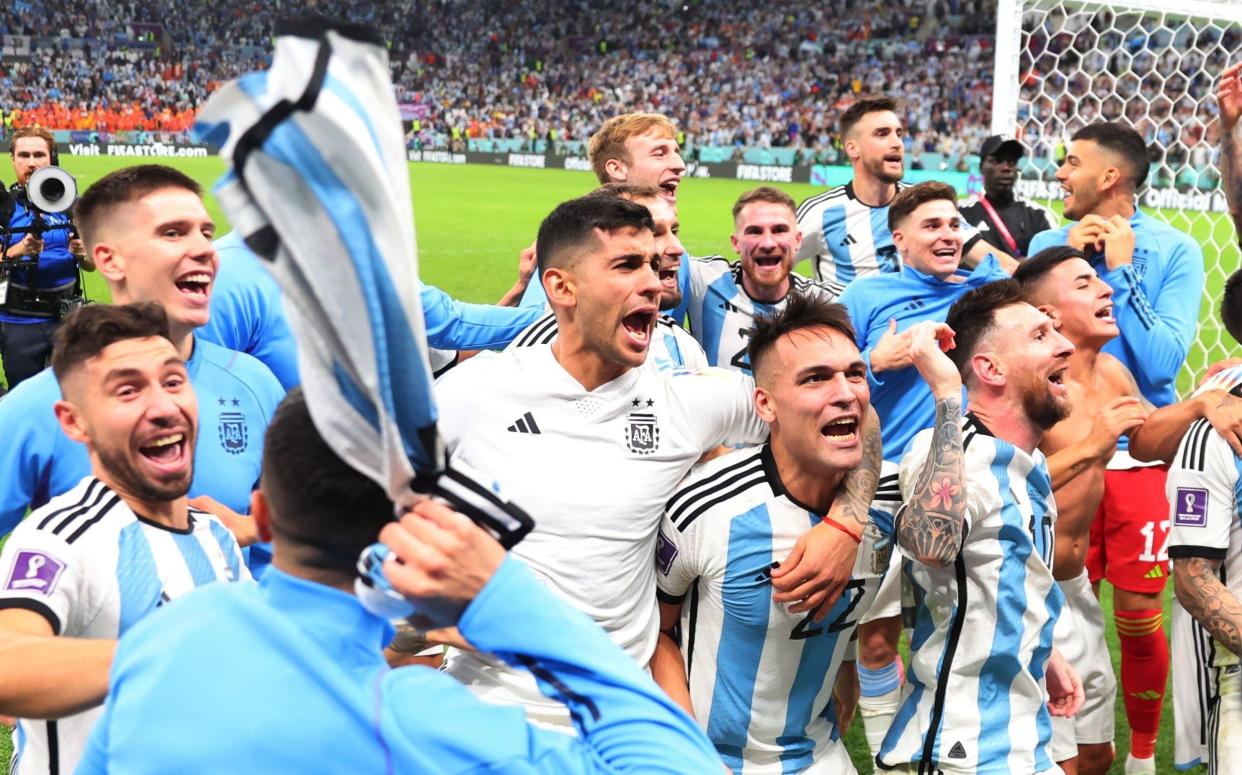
(1150, 695)
(849, 240)
(525, 424)
(958, 751)
(1155, 573)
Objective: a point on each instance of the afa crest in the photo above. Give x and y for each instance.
(642, 435)
(233, 434)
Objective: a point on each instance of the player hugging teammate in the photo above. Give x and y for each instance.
(739, 506)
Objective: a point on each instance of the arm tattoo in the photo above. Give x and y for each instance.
(1204, 597)
(858, 490)
(1231, 172)
(930, 526)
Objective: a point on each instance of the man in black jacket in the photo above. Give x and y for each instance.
(1003, 220)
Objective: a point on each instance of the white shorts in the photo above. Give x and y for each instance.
(1194, 688)
(1079, 636)
(887, 602)
(1225, 751)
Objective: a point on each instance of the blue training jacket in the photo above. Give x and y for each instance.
(320, 698)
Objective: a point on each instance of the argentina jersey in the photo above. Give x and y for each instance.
(672, 347)
(974, 700)
(1204, 488)
(93, 568)
(844, 238)
(761, 679)
(722, 313)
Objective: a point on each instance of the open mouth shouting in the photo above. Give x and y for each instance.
(843, 430)
(668, 190)
(195, 286)
(768, 262)
(638, 325)
(1105, 314)
(166, 453)
(1056, 382)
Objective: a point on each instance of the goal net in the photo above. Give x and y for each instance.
(1152, 64)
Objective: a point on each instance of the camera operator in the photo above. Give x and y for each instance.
(41, 270)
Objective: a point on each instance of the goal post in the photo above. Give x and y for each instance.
(1151, 64)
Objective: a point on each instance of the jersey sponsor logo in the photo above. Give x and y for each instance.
(666, 552)
(958, 751)
(234, 437)
(1191, 507)
(849, 240)
(34, 571)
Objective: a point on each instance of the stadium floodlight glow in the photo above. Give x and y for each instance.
(52, 189)
(1150, 64)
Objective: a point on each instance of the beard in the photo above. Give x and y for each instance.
(670, 299)
(1042, 408)
(126, 475)
(875, 167)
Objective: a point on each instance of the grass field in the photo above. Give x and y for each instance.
(473, 221)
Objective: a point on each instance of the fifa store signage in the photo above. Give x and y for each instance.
(136, 150)
(1167, 198)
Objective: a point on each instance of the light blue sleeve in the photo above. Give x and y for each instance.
(535, 295)
(626, 724)
(860, 310)
(457, 325)
(1046, 239)
(1159, 333)
(95, 756)
(31, 440)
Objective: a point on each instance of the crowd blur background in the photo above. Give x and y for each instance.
(762, 81)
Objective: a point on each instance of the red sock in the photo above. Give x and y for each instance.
(1144, 675)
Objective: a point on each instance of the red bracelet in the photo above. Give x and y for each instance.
(856, 536)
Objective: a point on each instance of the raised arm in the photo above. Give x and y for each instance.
(1229, 97)
(625, 723)
(930, 526)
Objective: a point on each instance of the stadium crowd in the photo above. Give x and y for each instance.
(749, 74)
(695, 501)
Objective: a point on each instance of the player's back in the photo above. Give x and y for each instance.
(91, 567)
(761, 678)
(983, 625)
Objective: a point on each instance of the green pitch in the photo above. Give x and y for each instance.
(473, 220)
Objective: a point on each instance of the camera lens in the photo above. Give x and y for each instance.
(53, 189)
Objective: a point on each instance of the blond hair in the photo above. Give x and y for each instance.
(609, 142)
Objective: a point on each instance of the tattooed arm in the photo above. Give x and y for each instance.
(1229, 98)
(1200, 591)
(822, 561)
(852, 506)
(930, 524)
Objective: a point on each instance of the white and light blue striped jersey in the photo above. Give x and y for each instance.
(974, 700)
(1204, 488)
(722, 313)
(672, 347)
(93, 568)
(761, 678)
(846, 239)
